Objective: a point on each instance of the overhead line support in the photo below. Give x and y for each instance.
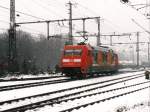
(137, 49)
(33, 22)
(98, 35)
(84, 28)
(12, 50)
(70, 23)
(48, 30)
(70, 26)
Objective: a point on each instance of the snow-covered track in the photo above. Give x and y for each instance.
(68, 89)
(60, 99)
(27, 79)
(41, 83)
(27, 85)
(102, 100)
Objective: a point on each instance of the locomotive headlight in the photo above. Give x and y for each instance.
(65, 60)
(77, 60)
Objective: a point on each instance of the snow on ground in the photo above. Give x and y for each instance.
(53, 87)
(20, 76)
(29, 81)
(27, 101)
(136, 102)
(124, 102)
(9, 76)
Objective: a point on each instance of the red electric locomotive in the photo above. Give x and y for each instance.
(82, 60)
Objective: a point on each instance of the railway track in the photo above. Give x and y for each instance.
(27, 79)
(27, 85)
(101, 100)
(47, 77)
(61, 98)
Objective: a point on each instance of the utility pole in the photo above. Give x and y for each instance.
(148, 52)
(148, 17)
(70, 23)
(12, 52)
(48, 30)
(98, 36)
(133, 54)
(137, 48)
(110, 40)
(84, 28)
(148, 14)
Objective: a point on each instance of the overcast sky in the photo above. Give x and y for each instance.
(117, 17)
(118, 14)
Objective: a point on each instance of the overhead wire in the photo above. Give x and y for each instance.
(45, 8)
(23, 13)
(56, 3)
(32, 15)
(96, 14)
(76, 25)
(105, 19)
(24, 27)
(59, 15)
(62, 6)
(133, 7)
(92, 12)
(24, 5)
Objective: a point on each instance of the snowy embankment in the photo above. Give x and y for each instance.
(9, 76)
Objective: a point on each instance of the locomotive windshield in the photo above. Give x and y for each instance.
(72, 52)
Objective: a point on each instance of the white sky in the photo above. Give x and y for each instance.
(117, 17)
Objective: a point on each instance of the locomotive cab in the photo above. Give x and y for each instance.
(80, 60)
(75, 59)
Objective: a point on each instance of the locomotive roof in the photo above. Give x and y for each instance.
(97, 48)
(102, 48)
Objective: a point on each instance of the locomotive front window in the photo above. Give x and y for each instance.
(68, 52)
(77, 52)
(72, 52)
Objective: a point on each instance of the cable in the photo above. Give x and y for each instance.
(133, 7)
(140, 26)
(44, 7)
(22, 13)
(61, 4)
(35, 33)
(25, 6)
(93, 12)
(32, 29)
